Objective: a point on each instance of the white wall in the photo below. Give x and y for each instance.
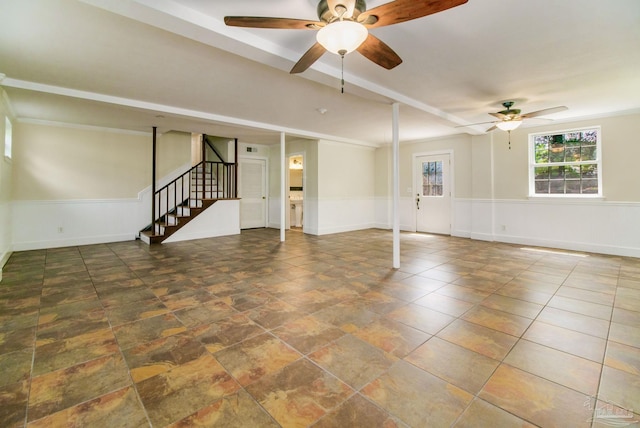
(494, 205)
(221, 219)
(77, 186)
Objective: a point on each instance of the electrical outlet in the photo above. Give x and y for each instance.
(60, 229)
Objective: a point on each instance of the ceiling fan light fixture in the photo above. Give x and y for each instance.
(509, 125)
(342, 37)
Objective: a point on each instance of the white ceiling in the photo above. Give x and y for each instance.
(134, 64)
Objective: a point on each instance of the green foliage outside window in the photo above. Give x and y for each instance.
(566, 163)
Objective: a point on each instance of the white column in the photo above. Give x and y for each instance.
(283, 192)
(396, 186)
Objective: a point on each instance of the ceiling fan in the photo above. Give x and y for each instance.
(343, 27)
(511, 118)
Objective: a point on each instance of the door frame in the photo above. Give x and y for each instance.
(452, 187)
(266, 181)
(288, 187)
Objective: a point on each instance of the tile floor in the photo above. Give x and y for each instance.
(245, 331)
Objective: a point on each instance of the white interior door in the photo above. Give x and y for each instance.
(252, 191)
(433, 194)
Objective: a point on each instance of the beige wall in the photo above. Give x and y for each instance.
(63, 163)
(485, 167)
(482, 166)
(345, 171)
(620, 151)
(462, 156)
(6, 168)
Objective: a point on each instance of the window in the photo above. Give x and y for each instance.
(565, 163)
(8, 132)
(432, 178)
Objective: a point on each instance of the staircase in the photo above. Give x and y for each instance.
(189, 195)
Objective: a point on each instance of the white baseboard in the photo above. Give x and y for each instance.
(72, 242)
(586, 247)
(345, 228)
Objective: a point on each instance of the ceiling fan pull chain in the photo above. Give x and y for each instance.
(509, 132)
(342, 70)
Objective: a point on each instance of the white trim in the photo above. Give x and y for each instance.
(3, 261)
(7, 102)
(70, 242)
(179, 111)
(236, 41)
(84, 127)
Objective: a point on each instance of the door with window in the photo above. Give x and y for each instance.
(252, 191)
(433, 194)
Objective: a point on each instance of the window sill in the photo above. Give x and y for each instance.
(568, 198)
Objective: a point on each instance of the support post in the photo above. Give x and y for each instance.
(153, 181)
(235, 169)
(396, 186)
(283, 182)
(204, 151)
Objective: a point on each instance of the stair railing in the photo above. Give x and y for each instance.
(206, 180)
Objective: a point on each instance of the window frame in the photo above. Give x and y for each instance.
(533, 164)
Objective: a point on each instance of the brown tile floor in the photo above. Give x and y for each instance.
(245, 331)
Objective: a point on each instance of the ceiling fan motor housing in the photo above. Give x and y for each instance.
(326, 15)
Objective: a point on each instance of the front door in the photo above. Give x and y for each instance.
(252, 188)
(433, 194)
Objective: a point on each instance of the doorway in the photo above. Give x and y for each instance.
(252, 191)
(295, 218)
(433, 193)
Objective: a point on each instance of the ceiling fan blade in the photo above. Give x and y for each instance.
(545, 111)
(474, 124)
(277, 23)
(500, 116)
(377, 51)
(348, 4)
(494, 127)
(404, 10)
(309, 57)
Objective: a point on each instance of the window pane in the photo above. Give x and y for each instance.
(572, 154)
(542, 186)
(542, 151)
(556, 186)
(572, 171)
(590, 186)
(573, 186)
(432, 179)
(568, 162)
(573, 143)
(589, 171)
(588, 153)
(541, 173)
(556, 172)
(556, 153)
